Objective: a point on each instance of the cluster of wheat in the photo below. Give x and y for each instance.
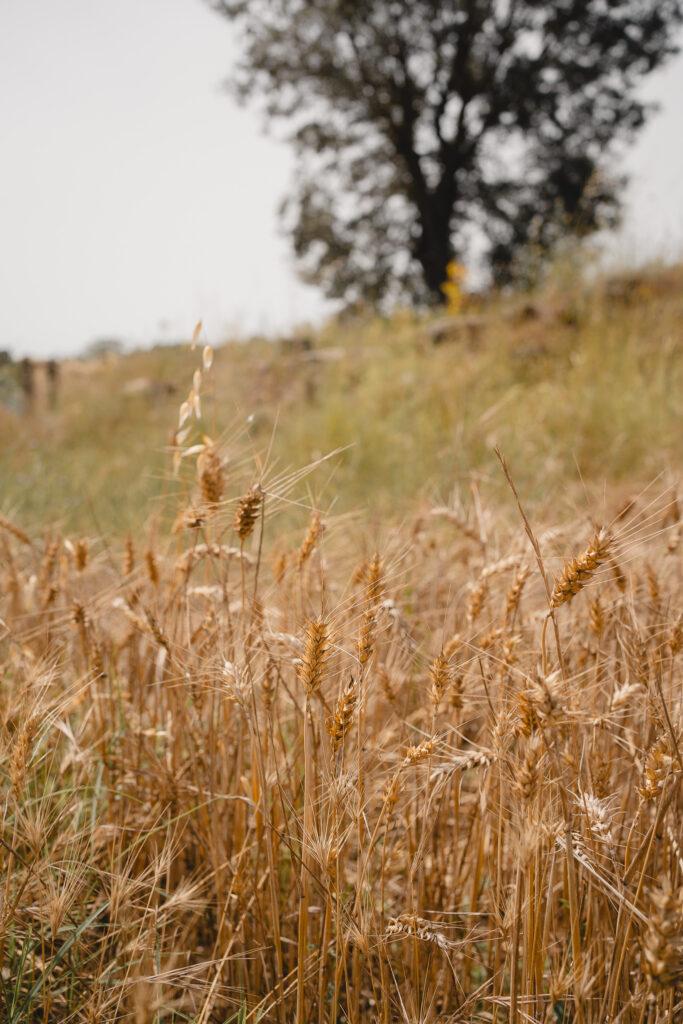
(249, 773)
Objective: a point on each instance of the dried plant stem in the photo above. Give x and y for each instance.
(306, 861)
(571, 863)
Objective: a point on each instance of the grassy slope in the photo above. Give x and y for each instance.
(587, 390)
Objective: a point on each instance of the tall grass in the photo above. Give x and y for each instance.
(274, 764)
(574, 383)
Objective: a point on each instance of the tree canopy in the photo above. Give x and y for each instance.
(424, 127)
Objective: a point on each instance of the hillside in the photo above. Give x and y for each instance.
(578, 384)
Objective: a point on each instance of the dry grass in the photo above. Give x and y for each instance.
(576, 383)
(277, 765)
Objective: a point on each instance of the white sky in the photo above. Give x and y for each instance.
(135, 197)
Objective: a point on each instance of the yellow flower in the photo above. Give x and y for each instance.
(452, 289)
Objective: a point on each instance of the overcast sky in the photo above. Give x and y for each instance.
(135, 197)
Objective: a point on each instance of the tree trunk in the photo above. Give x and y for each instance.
(434, 250)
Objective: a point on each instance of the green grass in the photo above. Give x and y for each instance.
(586, 391)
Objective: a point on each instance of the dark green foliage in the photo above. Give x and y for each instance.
(422, 123)
(422, 126)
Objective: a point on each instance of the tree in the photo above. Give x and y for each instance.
(425, 126)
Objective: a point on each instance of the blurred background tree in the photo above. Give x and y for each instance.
(425, 129)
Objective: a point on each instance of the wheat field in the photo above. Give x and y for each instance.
(276, 762)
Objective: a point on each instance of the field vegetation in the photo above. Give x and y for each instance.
(575, 382)
(386, 734)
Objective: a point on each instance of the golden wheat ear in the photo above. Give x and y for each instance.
(580, 570)
(247, 513)
(340, 723)
(316, 653)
